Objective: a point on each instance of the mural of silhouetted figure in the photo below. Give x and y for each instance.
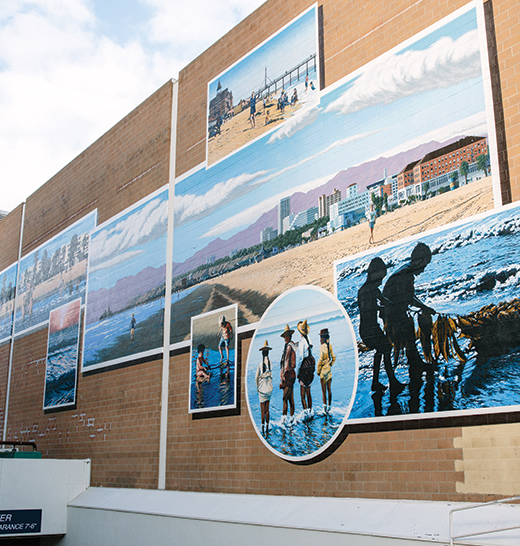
(399, 290)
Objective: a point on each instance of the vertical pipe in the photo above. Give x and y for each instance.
(165, 391)
(11, 349)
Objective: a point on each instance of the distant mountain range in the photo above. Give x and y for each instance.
(127, 291)
(362, 175)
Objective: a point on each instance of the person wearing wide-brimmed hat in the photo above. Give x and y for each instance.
(264, 385)
(306, 366)
(324, 368)
(288, 371)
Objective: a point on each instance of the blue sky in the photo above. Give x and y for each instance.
(71, 69)
(430, 90)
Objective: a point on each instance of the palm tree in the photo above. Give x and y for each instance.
(464, 170)
(482, 163)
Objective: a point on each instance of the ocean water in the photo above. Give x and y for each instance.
(472, 265)
(219, 392)
(106, 335)
(305, 436)
(42, 307)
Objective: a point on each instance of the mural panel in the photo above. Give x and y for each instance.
(301, 373)
(213, 360)
(52, 275)
(437, 319)
(61, 370)
(411, 125)
(272, 84)
(126, 280)
(7, 295)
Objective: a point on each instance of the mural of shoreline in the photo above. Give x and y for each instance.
(265, 88)
(360, 146)
(308, 431)
(473, 280)
(61, 369)
(256, 286)
(52, 275)
(126, 283)
(7, 294)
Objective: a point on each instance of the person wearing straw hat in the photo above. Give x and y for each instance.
(264, 385)
(306, 367)
(287, 372)
(324, 368)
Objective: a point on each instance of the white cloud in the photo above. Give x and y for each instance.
(190, 27)
(190, 207)
(251, 214)
(114, 245)
(446, 62)
(63, 83)
(302, 119)
(474, 125)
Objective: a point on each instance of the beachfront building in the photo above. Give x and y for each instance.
(349, 211)
(294, 221)
(221, 105)
(325, 201)
(436, 167)
(284, 210)
(268, 234)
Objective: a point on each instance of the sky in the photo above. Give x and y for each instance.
(283, 51)
(431, 89)
(71, 69)
(128, 244)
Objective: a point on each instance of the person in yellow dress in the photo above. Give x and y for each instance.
(324, 368)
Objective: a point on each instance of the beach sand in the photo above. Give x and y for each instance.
(237, 131)
(256, 286)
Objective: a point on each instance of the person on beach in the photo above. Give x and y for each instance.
(202, 372)
(305, 367)
(133, 324)
(324, 368)
(371, 303)
(371, 216)
(307, 82)
(287, 372)
(264, 386)
(252, 110)
(294, 98)
(400, 291)
(225, 333)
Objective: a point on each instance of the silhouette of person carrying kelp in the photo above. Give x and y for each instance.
(399, 290)
(372, 303)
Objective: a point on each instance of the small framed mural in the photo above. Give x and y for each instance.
(272, 85)
(301, 373)
(61, 370)
(213, 360)
(7, 294)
